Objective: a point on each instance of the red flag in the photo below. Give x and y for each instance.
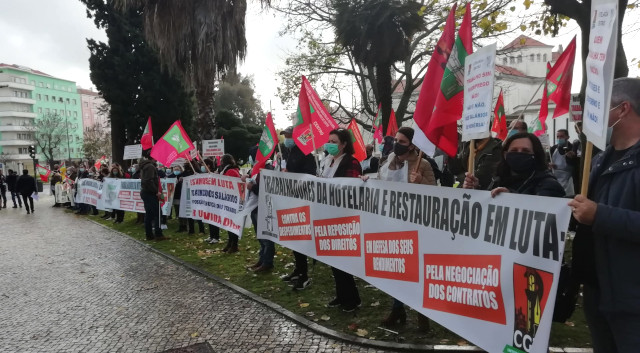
(432, 80)
(43, 172)
(358, 143)
(173, 144)
(377, 125)
(544, 109)
(500, 119)
(147, 136)
(314, 121)
(392, 128)
(558, 85)
(443, 125)
(266, 146)
(99, 162)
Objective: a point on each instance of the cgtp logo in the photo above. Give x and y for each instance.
(531, 289)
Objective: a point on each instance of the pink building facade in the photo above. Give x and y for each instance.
(91, 109)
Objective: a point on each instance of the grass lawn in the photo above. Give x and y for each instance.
(311, 301)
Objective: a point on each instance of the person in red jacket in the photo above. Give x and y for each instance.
(228, 167)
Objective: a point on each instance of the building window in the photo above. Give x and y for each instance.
(39, 97)
(519, 59)
(23, 150)
(48, 85)
(33, 83)
(47, 110)
(538, 57)
(75, 114)
(86, 104)
(40, 110)
(544, 57)
(46, 97)
(74, 102)
(40, 84)
(532, 58)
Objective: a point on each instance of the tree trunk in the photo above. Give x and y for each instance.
(204, 125)
(383, 78)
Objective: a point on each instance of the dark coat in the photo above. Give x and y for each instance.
(485, 164)
(348, 166)
(26, 185)
(11, 182)
(609, 250)
(541, 183)
(298, 162)
(148, 177)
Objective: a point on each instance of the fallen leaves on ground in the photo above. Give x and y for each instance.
(303, 305)
(195, 334)
(375, 304)
(362, 332)
(353, 326)
(325, 318)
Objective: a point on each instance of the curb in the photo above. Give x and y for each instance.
(317, 328)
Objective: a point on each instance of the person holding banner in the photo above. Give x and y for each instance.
(151, 196)
(402, 166)
(116, 173)
(340, 163)
(522, 170)
(606, 250)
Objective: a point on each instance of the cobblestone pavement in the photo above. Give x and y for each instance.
(69, 285)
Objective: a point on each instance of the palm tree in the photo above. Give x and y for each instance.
(199, 40)
(378, 34)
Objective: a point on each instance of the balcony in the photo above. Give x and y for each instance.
(16, 157)
(16, 142)
(12, 99)
(16, 127)
(12, 84)
(16, 114)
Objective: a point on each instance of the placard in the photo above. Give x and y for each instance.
(212, 148)
(132, 152)
(479, 75)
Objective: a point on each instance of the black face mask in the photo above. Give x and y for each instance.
(399, 149)
(521, 163)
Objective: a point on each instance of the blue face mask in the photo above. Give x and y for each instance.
(203, 169)
(561, 142)
(380, 148)
(289, 143)
(332, 148)
(176, 172)
(511, 133)
(81, 170)
(168, 171)
(133, 170)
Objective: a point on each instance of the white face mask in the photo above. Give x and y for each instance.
(610, 128)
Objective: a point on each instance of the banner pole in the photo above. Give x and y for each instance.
(584, 187)
(529, 103)
(192, 167)
(205, 164)
(419, 161)
(313, 141)
(472, 156)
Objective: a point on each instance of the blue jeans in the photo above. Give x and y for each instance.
(14, 196)
(151, 214)
(267, 247)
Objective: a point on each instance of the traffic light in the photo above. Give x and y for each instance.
(32, 152)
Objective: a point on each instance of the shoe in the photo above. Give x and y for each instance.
(351, 307)
(212, 240)
(14, 206)
(161, 238)
(289, 278)
(395, 317)
(117, 221)
(150, 238)
(263, 269)
(28, 212)
(106, 216)
(301, 283)
(33, 211)
(233, 249)
(334, 303)
(254, 266)
(95, 213)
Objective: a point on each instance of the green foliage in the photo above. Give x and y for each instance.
(236, 94)
(238, 137)
(128, 74)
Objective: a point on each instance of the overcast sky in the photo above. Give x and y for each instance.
(52, 39)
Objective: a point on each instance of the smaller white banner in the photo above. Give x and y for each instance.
(132, 152)
(478, 93)
(212, 148)
(88, 191)
(124, 194)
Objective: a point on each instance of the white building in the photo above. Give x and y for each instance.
(16, 119)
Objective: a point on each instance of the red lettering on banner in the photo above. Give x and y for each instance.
(124, 195)
(140, 206)
(126, 205)
(225, 184)
(136, 196)
(337, 236)
(294, 223)
(392, 255)
(467, 285)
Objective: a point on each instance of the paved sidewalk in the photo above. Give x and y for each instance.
(69, 285)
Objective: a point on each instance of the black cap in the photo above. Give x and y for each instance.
(287, 131)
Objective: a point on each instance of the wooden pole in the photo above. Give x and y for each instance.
(472, 157)
(587, 169)
(419, 160)
(205, 164)
(529, 103)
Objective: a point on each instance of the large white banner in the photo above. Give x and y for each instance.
(485, 268)
(603, 39)
(216, 199)
(124, 194)
(478, 93)
(88, 191)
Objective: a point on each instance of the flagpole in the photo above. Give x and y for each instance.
(472, 156)
(588, 153)
(313, 141)
(205, 164)
(527, 106)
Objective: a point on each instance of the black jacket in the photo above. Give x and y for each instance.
(609, 250)
(177, 193)
(148, 177)
(26, 185)
(298, 162)
(486, 162)
(540, 183)
(12, 179)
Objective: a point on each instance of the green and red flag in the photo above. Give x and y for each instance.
(443, 124)
(558, 85)
(99, 162)
(432, 81)
(173, 144)
(358, 142)
(313, 122)
(43, 172)
(500, 119)
(147, 136)
(377, 125)
(266, 146)
(392, 128)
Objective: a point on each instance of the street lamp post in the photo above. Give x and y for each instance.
(61, 100)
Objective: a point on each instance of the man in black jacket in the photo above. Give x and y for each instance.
(26, 186)
(151, 195)
(298, 162)
(607, 244)
(12, 180)
(3, 190)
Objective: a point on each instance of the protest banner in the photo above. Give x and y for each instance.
(212, 148)
(217, 200)
(485, 268)
(63, 193)
(88, 191)
(132, 152)
(478, 93)
(600, 64)
(124, 194)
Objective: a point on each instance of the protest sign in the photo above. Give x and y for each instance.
(216, 199)
(132, 152)
(478, 93)
(600, 64)
(485, 268)
(88, 192)
(212, 148)
(124, 194)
